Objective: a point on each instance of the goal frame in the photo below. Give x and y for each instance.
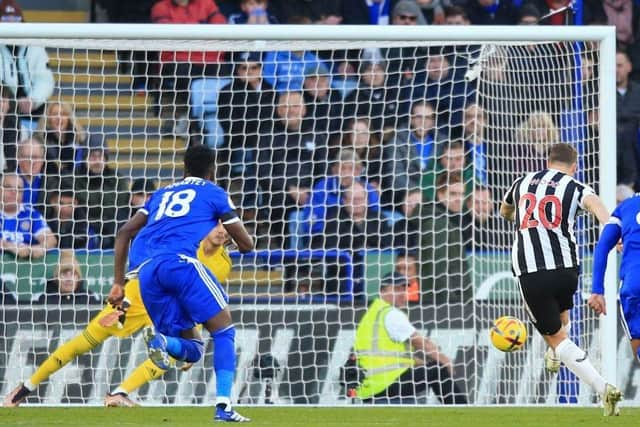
(261, 37)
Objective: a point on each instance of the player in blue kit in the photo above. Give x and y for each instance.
(624, 223)
(178, 291)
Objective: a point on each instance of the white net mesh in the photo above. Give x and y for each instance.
(346, 160)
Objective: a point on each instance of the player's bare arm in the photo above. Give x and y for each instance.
(240, 236)
(507, 211)
(593, 204)
(120, 253)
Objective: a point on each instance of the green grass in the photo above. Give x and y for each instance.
(356, 416)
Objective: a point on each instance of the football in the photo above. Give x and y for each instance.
(508, 334)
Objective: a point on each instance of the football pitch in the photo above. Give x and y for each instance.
(287, 416)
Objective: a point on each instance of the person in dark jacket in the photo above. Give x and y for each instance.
(492, 12)
(103, 192)
(67, 286)
(292, 157)
(65, 139)
(373, 98)
(69, 221)
(321, 99)
(353, 226)
(38, 175)
(409, 155)
(245, 111)
(445, 273)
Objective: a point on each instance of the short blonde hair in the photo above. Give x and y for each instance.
(539, 120)
(67, 261)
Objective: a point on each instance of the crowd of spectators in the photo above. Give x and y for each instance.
(363, 149)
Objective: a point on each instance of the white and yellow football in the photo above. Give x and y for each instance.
(508, 334)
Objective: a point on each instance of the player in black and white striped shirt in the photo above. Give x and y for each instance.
(545, 260)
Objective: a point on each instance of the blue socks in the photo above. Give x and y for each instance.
(186, 350)
(224, 360)
(224, 357)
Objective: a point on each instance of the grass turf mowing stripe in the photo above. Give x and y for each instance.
(321, 417)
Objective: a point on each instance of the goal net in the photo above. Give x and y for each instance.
(349, 156)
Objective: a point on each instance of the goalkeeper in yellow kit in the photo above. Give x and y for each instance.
(122, 323)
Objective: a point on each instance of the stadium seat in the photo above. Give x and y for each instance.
(204, 108)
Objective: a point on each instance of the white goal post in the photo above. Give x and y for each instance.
(278, 324)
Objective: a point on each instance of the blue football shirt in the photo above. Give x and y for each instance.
(627, 217)
(180, 215)
(24, 226)
(624, 222)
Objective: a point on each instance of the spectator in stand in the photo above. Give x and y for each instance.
(69, 221)
(291, 158)
(475, 143)
(628, 121)
(67, 286)
(177, 69)
(492, 12)
(253, 12)
(452, 159)
(358, 136)
(322, 100)
(529, 15)
(456, 15)
(534, 137)
(407, 12)
(327, 192)
(366, 12)
(485, 229)
(39, 176)
(445, 274)
(625, 16)
(592, 12)
(64, 138)
(353, 226)
(24, 231)
(399, 59)
(104, 193)
(408, 155)
(628, 96)
(317, 12)
(373, 98)
(25, 72)
(141, 190)
(444, 86)
(245, 111)
(406, 230)
(434, 10)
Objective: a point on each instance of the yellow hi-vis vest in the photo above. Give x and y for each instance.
(383, 359)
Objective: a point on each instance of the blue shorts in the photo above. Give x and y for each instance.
(630, 305)
(179, 292)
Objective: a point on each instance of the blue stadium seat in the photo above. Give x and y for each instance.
(204, 108)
